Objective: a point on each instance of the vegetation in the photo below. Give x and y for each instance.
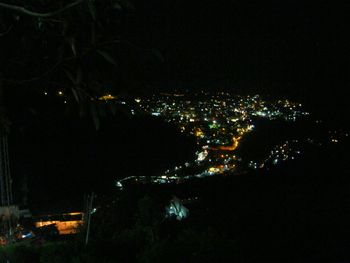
(139, 233)
(78, 47)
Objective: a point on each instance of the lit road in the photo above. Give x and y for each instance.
(235, 142)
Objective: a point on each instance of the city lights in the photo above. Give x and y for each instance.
(218, 122)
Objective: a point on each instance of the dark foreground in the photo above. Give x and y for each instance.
(242, 219)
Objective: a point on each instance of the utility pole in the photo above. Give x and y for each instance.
(90, 200)
(7, 210)
(5, 174)
(6, 197)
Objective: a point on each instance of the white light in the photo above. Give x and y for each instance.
(202, 155)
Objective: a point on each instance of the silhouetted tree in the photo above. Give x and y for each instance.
(78, 47)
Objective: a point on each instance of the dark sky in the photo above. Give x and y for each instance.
(293, 48)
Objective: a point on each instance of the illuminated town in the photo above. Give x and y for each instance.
(219, 121)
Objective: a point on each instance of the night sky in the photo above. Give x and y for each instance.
(284, 48)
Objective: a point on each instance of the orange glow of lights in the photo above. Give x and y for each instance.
(235, 142)
(64, 227)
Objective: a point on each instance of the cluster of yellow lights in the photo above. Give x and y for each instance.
(107, 97)
(213, 169)
(199, 133)
(220, 168)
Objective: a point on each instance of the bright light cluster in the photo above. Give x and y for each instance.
(219, 122)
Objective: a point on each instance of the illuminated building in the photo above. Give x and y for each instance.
(66, 223)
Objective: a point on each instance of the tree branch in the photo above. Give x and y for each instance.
(6, 31)
(125, 42)
(42, 75)
(22, 10)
